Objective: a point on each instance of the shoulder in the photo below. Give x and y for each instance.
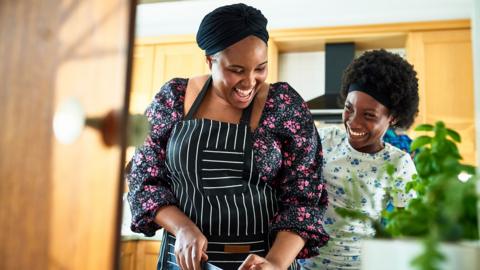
(331, 136)
(168, 102)
(287, 109)
(284, 92)
(174, 88)
(401, 160)
(286, 105)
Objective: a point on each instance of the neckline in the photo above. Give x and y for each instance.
(246, 112)
(356, 152)
(260, 120)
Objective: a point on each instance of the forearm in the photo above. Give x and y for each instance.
(285, 248)
(172, 219)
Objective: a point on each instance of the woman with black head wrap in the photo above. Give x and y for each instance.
(232, 166)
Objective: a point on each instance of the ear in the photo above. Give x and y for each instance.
(209, 60)
(392, 121)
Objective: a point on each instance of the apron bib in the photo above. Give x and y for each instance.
(217, 186)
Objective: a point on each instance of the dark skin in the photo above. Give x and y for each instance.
(238, 74)
(366, 120)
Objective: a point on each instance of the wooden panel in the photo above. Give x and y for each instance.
(60, 203)
(152, 250)
(142, 78)
(177, 60)
(127, 255)
(28, 52)
(147, 254)
(272, 62)
(390, 35)
(443, 60)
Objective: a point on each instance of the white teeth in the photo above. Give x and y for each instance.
(244, 93)
(357, 133)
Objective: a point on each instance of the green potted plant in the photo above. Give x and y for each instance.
(443, 215)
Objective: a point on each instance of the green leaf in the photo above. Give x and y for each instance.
(454, 135)
(390, 169)
(440, 130)
(353, 214)
(424, 127)
(420, 141)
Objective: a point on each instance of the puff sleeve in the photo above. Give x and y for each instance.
(302, 194)
(147, 176)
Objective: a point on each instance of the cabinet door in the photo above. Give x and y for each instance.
(127, 255)
(151, 253)
(182, 60)
(443, 61)
(141, 90)
(272, 62)
(147, 253)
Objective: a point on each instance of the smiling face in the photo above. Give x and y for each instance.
(366, 120)
(239, 71)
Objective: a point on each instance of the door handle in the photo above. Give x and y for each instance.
(70, 120)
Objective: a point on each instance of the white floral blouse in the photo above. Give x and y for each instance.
(350, 177)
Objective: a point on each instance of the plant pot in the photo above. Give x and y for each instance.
(380, 254)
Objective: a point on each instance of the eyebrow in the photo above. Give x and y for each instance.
(238, 66)
(366, 110)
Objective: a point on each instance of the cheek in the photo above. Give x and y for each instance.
(382, 128)
(344, 115)
(262, 76)
(229, 79)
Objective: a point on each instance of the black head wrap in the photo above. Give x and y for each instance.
(227, 25)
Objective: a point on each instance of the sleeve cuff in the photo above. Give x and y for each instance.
(307, 222)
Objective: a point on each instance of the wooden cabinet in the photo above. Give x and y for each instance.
(139, 254)
(443, 61)
(154, 64)
(178, 60)
(142, 78)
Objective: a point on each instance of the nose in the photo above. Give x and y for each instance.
(354, 120)
(249, 80)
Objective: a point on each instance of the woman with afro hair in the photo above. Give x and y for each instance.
(381, 91)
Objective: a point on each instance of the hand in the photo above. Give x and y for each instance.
(190, 248)
(255, 262)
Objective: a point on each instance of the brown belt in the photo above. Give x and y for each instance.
(237, 248)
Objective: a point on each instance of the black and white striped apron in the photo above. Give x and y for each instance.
(218, 188)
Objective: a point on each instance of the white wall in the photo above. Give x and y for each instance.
(183, 17)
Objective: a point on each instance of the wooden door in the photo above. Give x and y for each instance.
(443, 61)
(60, 203)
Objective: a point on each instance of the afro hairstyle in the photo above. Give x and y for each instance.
(389, 73)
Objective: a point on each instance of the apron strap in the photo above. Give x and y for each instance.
(199, 99)
(247, 112)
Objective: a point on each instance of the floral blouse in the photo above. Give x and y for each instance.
(357, 181)
(287, 153)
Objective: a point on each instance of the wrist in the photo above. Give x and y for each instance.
(183, 227)
(277, 262)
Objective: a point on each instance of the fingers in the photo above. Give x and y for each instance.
(190, 256)
(204, 256)
(190, 248)
(180, 259)
(251, 261)
(196, 257)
